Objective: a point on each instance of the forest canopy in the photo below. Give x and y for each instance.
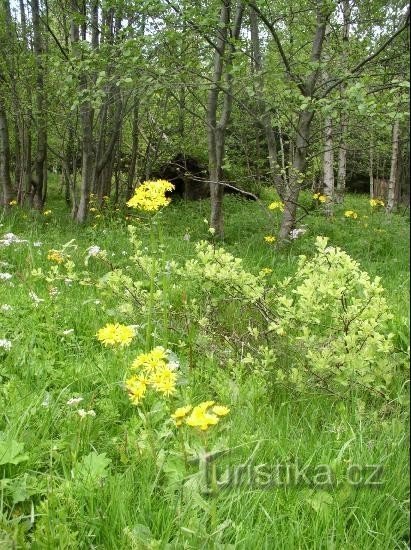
(311, 95)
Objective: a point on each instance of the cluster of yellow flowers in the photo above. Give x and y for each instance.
(202, 416)
(47, 213)
(155, 371)
(270, 239)
(351, 214)
(319, 197)
(13, 202)
(266, 271)
(376, 202)
(56, 256)
(115, 335)
(276, 205)
(151, 195)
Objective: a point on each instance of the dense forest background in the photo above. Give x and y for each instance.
(111, 93)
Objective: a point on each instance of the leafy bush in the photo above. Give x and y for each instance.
(334, 319)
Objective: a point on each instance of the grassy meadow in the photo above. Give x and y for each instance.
(81, 466)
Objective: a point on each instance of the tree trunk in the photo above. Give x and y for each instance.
(86, 121)
(342, 161)
(393, 183)
(26, 142)
(134, 148)
(217, 130)
(371, 171)
(298, 169)
(342, 150)
(328, 166)
(40, 116)
(5, 180)
(86, 117)
(305, 118)
(264, 114)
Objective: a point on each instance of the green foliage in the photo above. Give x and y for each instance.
(97, 471)
(335, 317)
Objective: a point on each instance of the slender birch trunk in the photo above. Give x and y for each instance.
(40, 114)
(132, 169)
(371, 170)
(392, 198)
(217, 129)
(329, 166)
(6, 188)
(342, 150)
(86, 118)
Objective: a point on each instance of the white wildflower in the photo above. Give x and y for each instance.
(37, 244)
(93, 250)
(5, 344)
(83, 413)
(6, 307)
(11, 238)
(74, 401)
(295, 233)
(35, 298)
(5, 276)
(68, 331)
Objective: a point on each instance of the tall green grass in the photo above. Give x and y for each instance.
(47, 502)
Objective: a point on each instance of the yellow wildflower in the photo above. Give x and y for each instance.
(47, 213)
(55, 256)
(13, 203)
(202, 416)
(276, 205)
(266, 271)
(205, 405)
(115, 334)
(376, 202)
(351, 214)
(136, 387)
(270, 239)
(164, 380)
(201, 419)
(151, 361)
(151, 195)
(180, 413)
(220, 410)
(320, 197)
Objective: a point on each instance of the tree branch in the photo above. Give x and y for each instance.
(366, 60)
(280, 49)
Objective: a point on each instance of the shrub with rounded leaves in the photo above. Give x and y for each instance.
(334, 317)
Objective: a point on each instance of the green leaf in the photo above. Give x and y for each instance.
(11, 452)
(92, 467)
(320, 502)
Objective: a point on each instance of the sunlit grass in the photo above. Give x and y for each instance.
(137, 502)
